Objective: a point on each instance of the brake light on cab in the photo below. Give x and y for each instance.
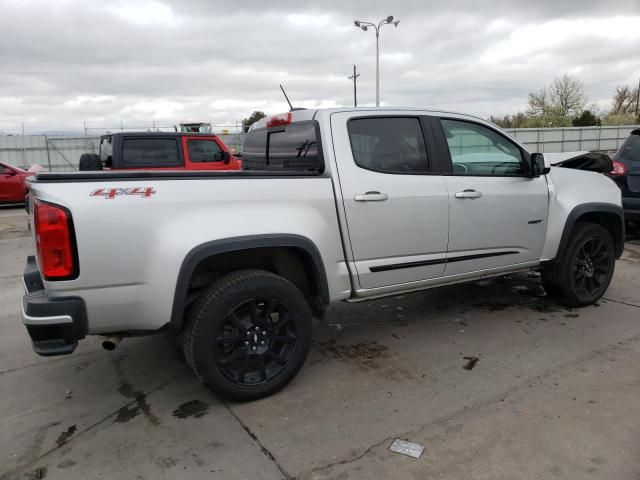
(55, 241)
(618, 169)
(280, 119)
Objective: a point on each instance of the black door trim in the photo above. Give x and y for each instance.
(398, 266)
(424, 263)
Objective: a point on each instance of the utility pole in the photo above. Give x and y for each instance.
(354, 77)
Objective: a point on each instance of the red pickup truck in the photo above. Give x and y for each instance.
(161, 151)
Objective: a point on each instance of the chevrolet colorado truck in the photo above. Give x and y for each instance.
(337, 204)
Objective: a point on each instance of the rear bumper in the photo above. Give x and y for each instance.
(54, 325)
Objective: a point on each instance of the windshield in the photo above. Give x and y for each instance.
(12, 167)
(629, 152)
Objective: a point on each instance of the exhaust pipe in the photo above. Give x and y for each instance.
(110, 343)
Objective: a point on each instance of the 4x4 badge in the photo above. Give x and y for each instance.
(111, 193)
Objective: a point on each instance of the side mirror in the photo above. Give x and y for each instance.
(538, 165)
(226, 157)
(8, 172)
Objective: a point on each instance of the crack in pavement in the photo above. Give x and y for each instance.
(489, 402)
(265, 451)
(620, 302)
(8, 475)
(47, 363)
(5, 277)
(33, 449)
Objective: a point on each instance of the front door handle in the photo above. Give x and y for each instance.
(468, 193)
(371, 197)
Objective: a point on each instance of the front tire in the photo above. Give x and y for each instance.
(585, 269)
(248, 335)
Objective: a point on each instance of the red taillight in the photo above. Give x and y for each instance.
(54, 241)
(618, 169)
(280, 119)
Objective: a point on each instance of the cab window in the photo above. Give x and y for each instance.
(161, 152)
(388, 144)
(479, 150)
(292, 147)
(204, 151)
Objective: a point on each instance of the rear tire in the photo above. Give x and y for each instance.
(248, 335)
(584, 271)
(89, 162)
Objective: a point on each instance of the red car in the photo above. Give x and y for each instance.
(12, 183)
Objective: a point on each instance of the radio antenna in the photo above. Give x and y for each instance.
(287, 98)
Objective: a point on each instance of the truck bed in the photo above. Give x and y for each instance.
(131, 246)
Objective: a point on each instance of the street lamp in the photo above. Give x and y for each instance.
(365, 26)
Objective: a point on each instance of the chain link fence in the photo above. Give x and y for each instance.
(63, 153)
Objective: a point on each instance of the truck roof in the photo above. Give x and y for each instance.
(313, 114)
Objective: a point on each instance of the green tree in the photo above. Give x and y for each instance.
(614, 119)
(586, 119)
(253, 118)
(552, 117)
(516, 120)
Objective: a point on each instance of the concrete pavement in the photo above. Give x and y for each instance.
(554, 394)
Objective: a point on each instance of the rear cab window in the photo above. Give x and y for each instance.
(292, 147)
(160, 152)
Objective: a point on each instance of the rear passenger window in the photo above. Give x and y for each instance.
(204, 151)
(150, 151)
(292, 147)
(388, 144)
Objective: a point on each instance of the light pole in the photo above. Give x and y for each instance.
(365, 26)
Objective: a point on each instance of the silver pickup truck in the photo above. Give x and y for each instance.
(338, 204)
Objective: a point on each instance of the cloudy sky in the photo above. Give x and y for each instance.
(65, 62)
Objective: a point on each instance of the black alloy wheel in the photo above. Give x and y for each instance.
(584, 268)
(255, 341)
(248, 334)
(591, 267)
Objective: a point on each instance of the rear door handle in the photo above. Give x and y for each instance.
(468, 193)
(371, 197)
